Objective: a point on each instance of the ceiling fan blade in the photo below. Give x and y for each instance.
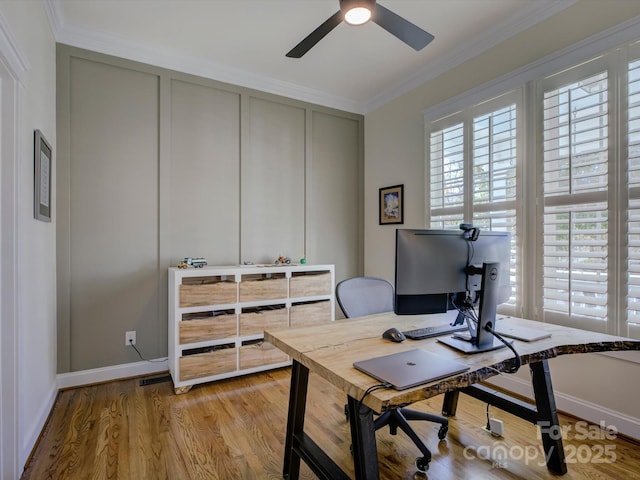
(406, 31)
(314, 37)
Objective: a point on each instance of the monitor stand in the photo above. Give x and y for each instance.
(467, 346)
(483, 340)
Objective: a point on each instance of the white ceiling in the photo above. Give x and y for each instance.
(244, 41)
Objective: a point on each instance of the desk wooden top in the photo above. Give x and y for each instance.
(329, 350)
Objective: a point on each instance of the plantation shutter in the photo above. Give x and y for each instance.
(446, 148)
(633, 218)
(575, 220)
(581, 174)
(494, 154)
(473, 173)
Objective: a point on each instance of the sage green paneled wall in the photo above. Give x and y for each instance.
(335, 200)
(273, 183)
(155, 165)
(203, 185)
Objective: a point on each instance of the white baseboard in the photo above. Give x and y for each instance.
(35, 429)
(77, 379)
(624, 424)
(115, 372)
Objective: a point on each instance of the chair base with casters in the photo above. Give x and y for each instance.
(366, 296)
(398, 418)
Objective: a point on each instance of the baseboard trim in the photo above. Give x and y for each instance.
(106, 374)
(37, 428)
(625, 424)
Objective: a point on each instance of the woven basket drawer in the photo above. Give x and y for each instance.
(252, 290)
(310, 284)
(253, 322)
(311, 313)
(202, 328)
(258, 354)
(213, 293)
(205, 364)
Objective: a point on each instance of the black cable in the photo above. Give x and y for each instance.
(470, 253)
(488, 423)
(142, 358)
(466, 311)
(470, 314)
(373, 388)
(517, 361)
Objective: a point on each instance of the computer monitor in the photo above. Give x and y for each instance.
(439, 270)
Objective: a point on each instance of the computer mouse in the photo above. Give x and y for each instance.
(394, 335)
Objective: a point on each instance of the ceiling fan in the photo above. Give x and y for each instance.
(359, 12)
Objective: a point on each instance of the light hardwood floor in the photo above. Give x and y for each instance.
(234, 429)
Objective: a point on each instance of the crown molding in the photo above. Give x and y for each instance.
(76, 36)
(569, 56)
(54, 15)
(534, 13)
(16, 61)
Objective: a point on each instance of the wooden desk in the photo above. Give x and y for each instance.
(329, 350)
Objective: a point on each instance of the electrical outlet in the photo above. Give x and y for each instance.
(130, 338)
(496, 427)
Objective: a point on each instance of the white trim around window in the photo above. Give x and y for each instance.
(600, 133)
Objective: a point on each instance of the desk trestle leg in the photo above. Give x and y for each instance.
(450, 403)
(363, 438)
(298, 445)
(548, 418)
(544, 414)
(295, 420)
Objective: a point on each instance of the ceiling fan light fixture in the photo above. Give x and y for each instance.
(357, 16)
(365, 10)
(357, 12)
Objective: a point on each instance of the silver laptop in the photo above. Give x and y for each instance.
(411, 368)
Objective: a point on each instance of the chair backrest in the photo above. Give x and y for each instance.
(360, 296)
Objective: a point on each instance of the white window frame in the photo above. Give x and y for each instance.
(620, 43)
(632, 56)
(466, 117)
(593, 67)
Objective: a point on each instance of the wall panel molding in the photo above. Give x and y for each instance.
(226, 177)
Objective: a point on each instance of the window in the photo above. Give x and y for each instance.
(494, 158)
(473, 170)
(575, 158)
(567, 186)
(447, 177)
(591, 194)
(633, 213)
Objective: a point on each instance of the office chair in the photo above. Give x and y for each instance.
(360, 296)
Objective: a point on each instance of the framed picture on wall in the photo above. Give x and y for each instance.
(391, 205)
(42, 167)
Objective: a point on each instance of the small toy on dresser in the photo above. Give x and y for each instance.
(197, 262)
